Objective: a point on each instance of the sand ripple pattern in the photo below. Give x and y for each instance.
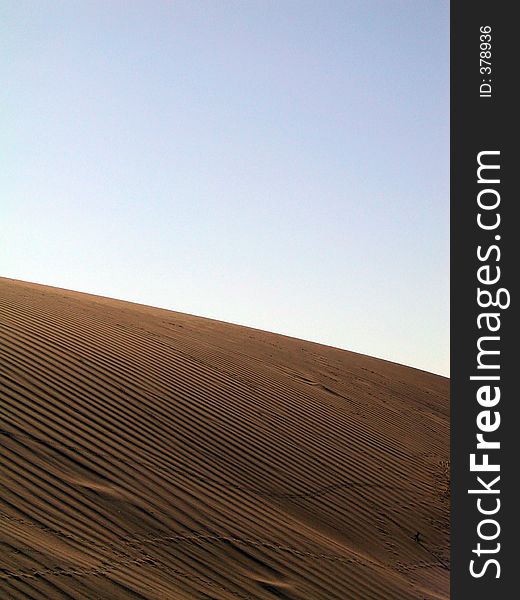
(152, 454)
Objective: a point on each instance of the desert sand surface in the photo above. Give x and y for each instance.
(147, 453)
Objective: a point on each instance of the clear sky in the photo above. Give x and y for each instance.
(278, 164)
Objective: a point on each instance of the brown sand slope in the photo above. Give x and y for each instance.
(153, 454)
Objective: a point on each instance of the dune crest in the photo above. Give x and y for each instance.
(153, 454)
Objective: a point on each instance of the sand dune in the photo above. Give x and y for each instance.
(154, 454)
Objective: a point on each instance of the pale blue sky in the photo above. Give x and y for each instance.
(278, 164)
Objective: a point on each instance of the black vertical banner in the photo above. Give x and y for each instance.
(485, 251)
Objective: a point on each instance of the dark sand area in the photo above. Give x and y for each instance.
(147, 453)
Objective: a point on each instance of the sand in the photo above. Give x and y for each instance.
(153, 454)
